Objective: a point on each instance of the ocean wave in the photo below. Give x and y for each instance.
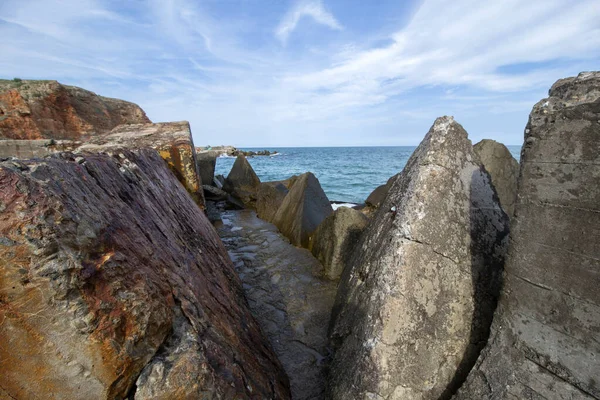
(335, 206)
(225, 156)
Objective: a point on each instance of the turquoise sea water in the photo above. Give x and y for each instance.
(345, 173)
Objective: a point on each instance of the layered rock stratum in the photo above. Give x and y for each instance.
(114, 284)
(50, 110)
(415, 304)
(544, 341)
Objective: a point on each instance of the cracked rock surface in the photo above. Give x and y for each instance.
(415, 303)
(114, 284)
(287, 295)
(545, 341)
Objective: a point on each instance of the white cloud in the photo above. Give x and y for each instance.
(308, 8)
(180, 61)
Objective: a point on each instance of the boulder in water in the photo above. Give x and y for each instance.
(302, 210)
(415, 304)
(269, 198)
(335, 238)
(544, 341)
(114, 284)
(242, 182)
(503, 169)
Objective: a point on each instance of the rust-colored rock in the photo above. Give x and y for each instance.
(50, 110)
(113, 283)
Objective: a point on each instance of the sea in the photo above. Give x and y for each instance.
(347, 174)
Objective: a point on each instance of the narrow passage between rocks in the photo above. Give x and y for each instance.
(287, 296)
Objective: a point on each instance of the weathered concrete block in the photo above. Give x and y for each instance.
(333, 241)
(544, 341)
(269, 198)
(303, 209)
(242, 182)
(503, 169)
(415, 304)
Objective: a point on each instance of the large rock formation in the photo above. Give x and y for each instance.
(414, 306)
(503, 169)
(303, 209)
(242, 182)
(113, 283)
(333, 241)
(269, 198)
(173, 140)
(545, 337)
(49, 110)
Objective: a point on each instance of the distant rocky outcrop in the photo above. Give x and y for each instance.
(231, 151)
(303, 209)
(503, 169)
(335, 238)
(415, 304)
(269, 198)
(242, 182)
(50, 110)
(544, 341)
(113, 284)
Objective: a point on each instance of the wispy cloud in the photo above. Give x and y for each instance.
(219, 65)
(308, 8)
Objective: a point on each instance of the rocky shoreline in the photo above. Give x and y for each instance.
(129, 270)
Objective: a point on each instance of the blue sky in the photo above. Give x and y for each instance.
(266, 73)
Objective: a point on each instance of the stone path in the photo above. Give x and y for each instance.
(288, 298)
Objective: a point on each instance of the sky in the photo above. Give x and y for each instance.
(272, 73)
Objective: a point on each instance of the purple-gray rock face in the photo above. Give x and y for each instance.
(415, 304)
(304, 207)
(503, 169)
(545, 337)
(114, 284)
(242, 182)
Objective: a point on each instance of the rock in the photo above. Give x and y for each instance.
(50, 110)
(289, 182)
(269, 198)
(219, 181)
(415, 303)
(333, 241)
(544, 340)
(378, 195)
(302, 210)
(503, 169)
(206, 162)
(173, 140)
(114, 284)
(242, 182)
(214, 194)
